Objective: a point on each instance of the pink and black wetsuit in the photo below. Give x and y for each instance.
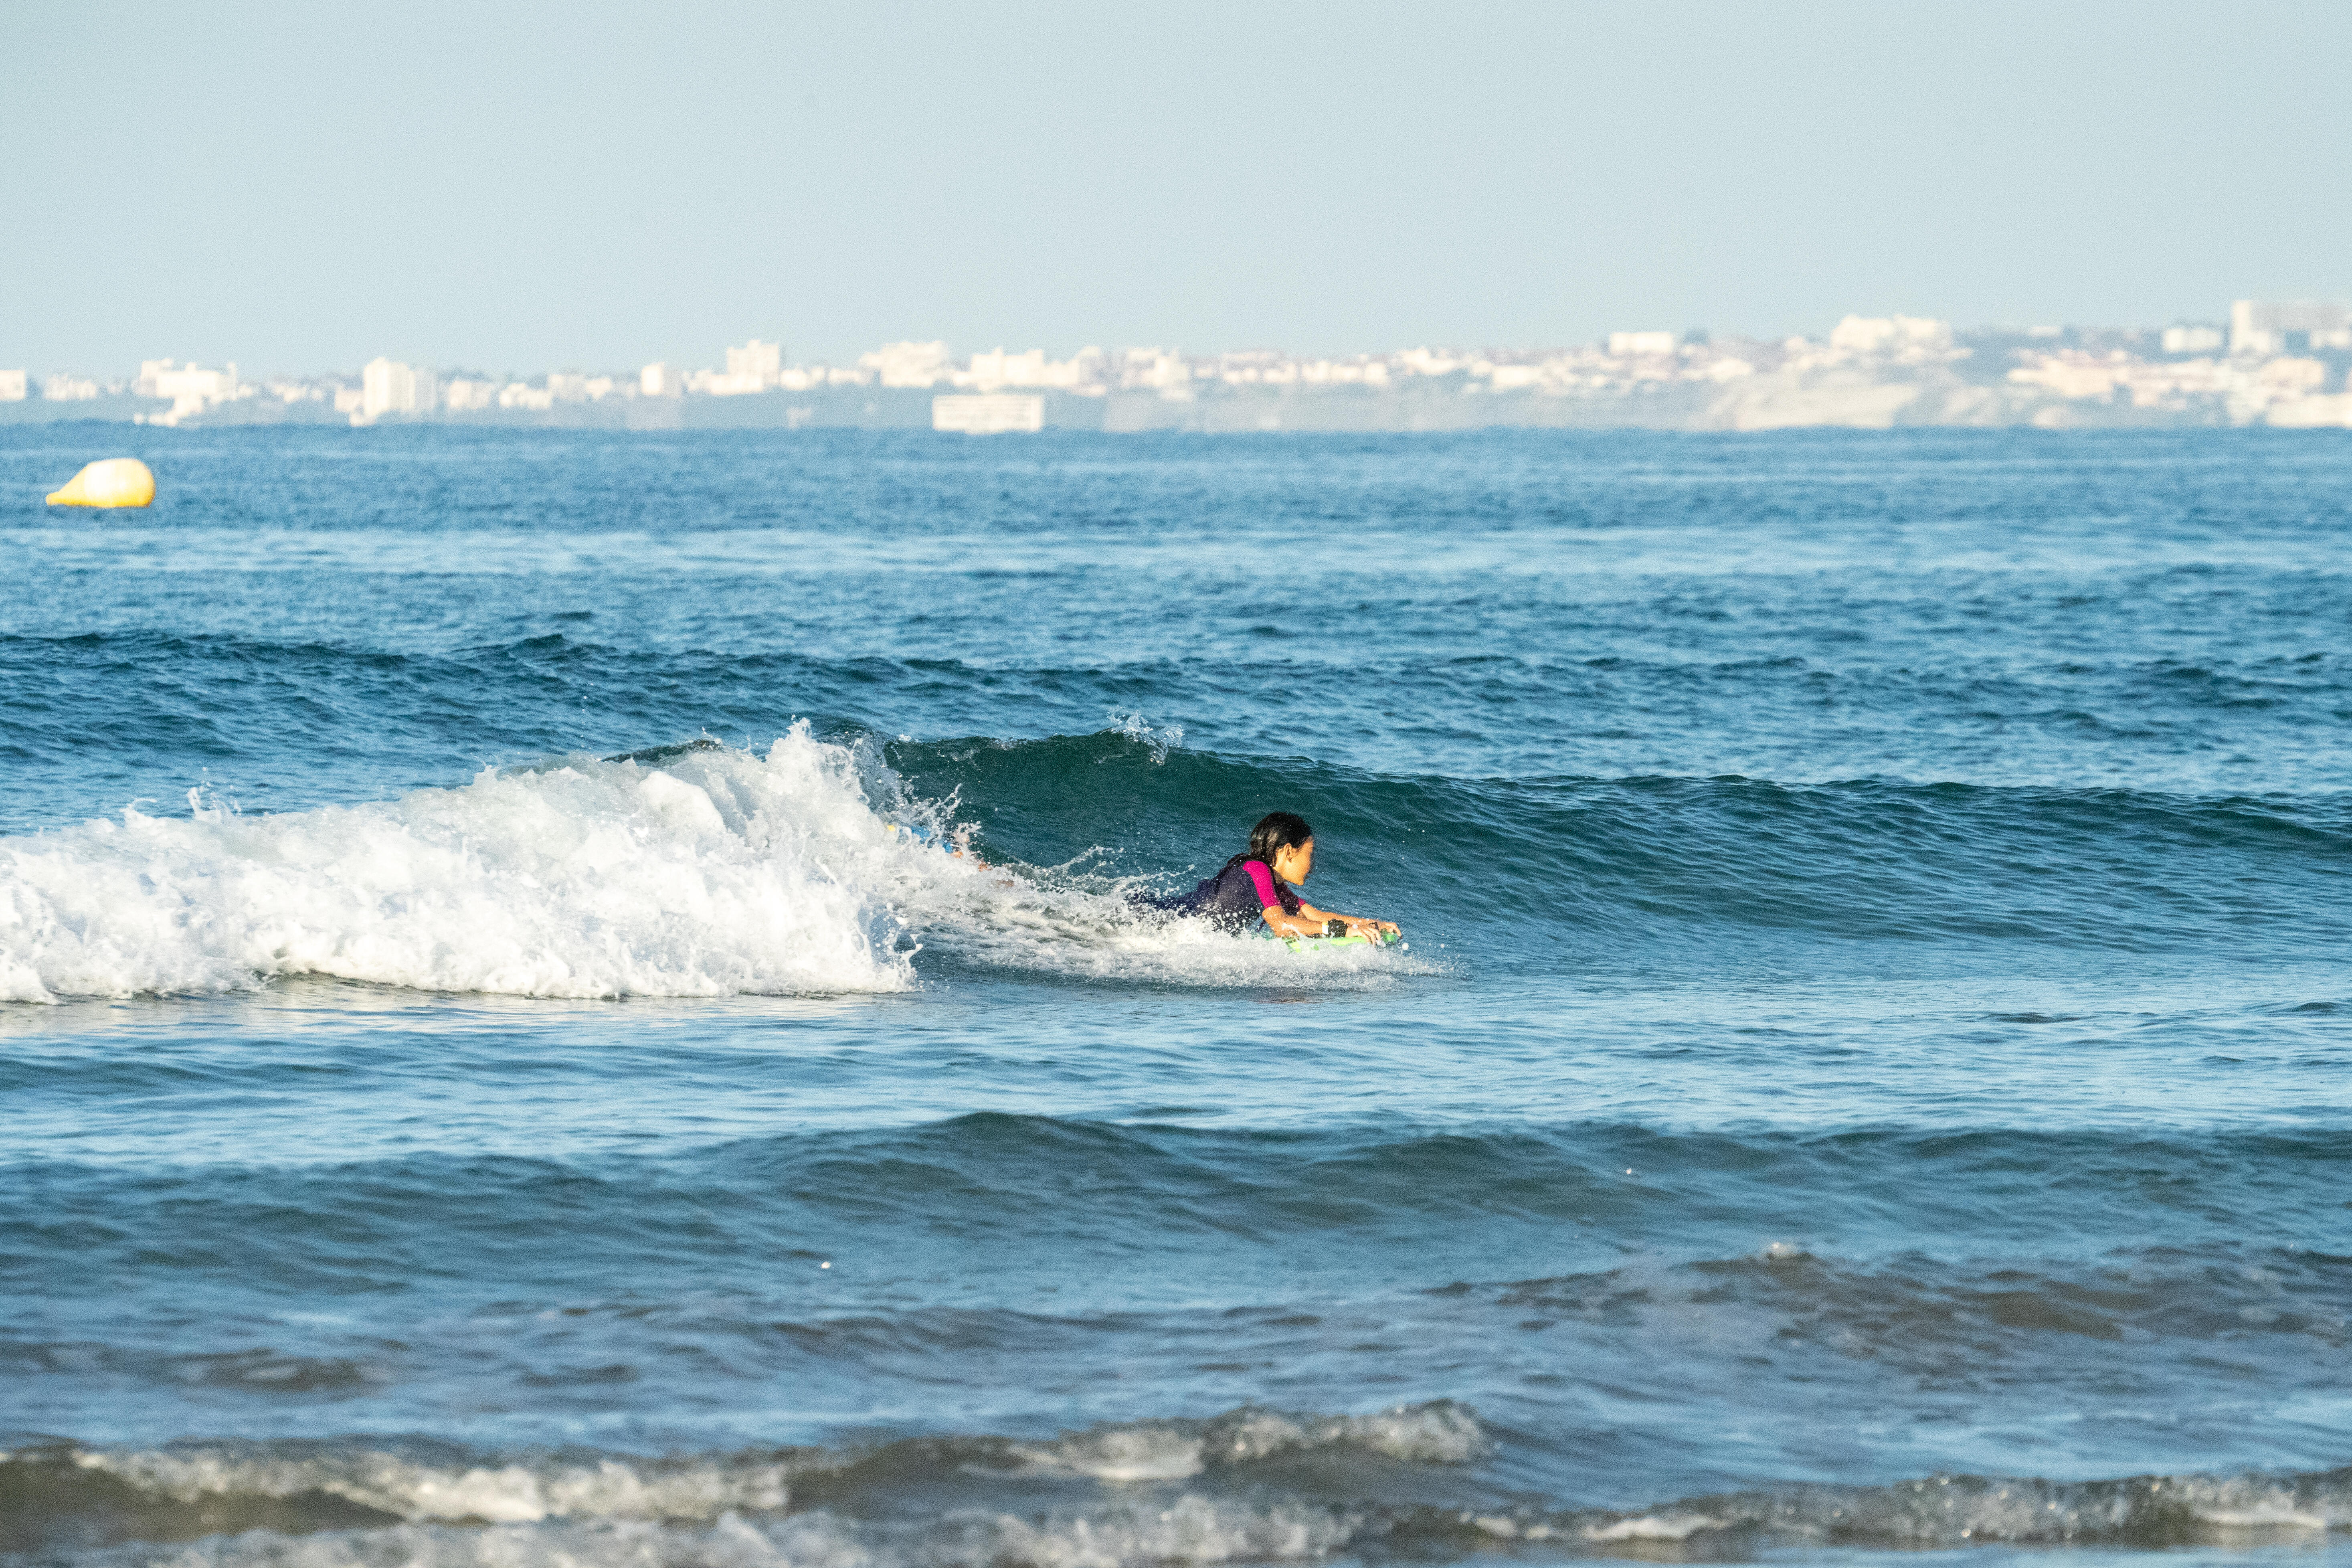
(1238, 896)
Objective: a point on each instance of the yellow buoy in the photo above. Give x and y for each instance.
(113, 482)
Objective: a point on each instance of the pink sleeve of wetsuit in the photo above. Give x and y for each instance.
(1263, 881)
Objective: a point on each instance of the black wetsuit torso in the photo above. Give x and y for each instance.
(1235, 899)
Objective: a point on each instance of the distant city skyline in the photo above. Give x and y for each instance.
(2279, 363)
(529, 186)
(2243, 327)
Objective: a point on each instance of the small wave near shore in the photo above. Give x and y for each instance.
(1250, 1485)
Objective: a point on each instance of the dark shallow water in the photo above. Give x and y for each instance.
(1867, 1073)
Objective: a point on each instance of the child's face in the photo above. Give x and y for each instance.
(1292, 862)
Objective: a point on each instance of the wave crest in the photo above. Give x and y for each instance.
(1440, 1433)
(727, 873)
(1121, 1496)
(686, 871)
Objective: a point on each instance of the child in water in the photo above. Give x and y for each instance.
(1255, 885)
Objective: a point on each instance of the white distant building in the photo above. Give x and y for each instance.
(754, 367)
(1338, 372)
(1638, 345)
(1086, 372)
(388, 386)
(989, 371)
(660, 379)
(2261, 327)
(1082, 372)
(462, 395)
(987, 413)
(13, 384)
(909, 363)
(64, 387)
(1890, 336)
(1164, 371)
(2191, 340)
(2294, 377)
(757, 361)
(191, 389)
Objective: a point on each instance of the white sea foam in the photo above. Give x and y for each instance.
(1162, 741)
(1141, 1453)
(1953, 1510)
(1441, 1432)
(2264, 1519)
(1653, 1527)
(513, 1493)
(1188, 1529)
(533, 1489)
(727, 1509)
(728, 872)
(713, 873)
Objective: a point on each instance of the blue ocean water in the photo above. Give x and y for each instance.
(501, 1069)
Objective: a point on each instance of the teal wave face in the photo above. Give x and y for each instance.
(1584, 866)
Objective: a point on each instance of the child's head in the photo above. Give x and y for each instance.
(1283, 841)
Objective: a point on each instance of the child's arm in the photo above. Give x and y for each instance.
(1309, 921)
(1282, 922)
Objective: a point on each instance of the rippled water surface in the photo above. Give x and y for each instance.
(499, 1067)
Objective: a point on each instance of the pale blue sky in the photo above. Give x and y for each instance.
(301, 187)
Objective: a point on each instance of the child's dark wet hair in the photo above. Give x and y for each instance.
(1276, 831)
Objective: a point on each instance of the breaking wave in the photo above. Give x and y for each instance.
(692, 871)
(1225, 1489)
(822, 867)
(62, 1493)
(1947, 1512)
